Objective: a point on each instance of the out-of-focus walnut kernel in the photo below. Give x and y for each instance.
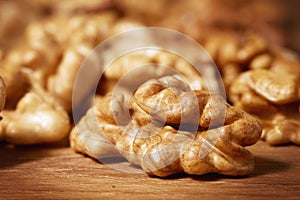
(222, 47)
(252, 52)
(244, 97)
(228, 53)
(283, 127)
(262, 61)
(278, 88)
(273, 97)
(290, 66)
(125, 64)
(55, 57)
(34, 122)
(160, 148)
(286, 126)
(230, 72)
(10, 72)
(38, 118)
(254, 45)
(144, 65)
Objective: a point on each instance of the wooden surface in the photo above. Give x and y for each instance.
(56, 172)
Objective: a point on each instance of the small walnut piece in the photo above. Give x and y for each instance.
(284, 127)
(262, 79)
(161, 148)
(279, 88)
(274, 99)
(38, 118)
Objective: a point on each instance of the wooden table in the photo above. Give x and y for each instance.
(56, 172)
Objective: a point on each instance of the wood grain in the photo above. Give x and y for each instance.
(56, 172)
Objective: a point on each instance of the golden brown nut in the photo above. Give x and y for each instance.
(54, 56)
(235, 53)
(278, 88)
(161, 148)
(38, 118)
(9, 78)
(241, 95)
(54, 59)
(70, 51)
(284, 126)
(274, 99)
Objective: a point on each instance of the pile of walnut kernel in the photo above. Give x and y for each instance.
(39, 64)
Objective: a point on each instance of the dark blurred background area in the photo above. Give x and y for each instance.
(291, 23)
(277, 20)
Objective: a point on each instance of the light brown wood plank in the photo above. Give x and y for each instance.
(56, 172)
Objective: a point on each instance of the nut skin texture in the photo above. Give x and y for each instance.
(162, 149)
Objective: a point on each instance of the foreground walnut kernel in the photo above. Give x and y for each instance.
(154, 141)
(273, 97)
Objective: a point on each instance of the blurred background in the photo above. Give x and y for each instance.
(276, 19)
(291, 23)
